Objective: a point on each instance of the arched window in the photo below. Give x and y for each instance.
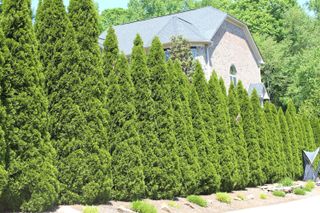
(233, 75)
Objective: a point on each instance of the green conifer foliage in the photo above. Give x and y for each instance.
(275, 140)
(4, 56)
(50, 27)
(250, 134)
(84, 17)
(188, 163)
(296, 152)
(127, 169)
(209, 180)
(80, 136)
(224, 137)
(160, 87)
(240, 146)
(309, 139)
(315, 124)
(88, 102)
(110, 52)
(302, 131)
(286, 143)
(201, 86)
(145, 110)
(32, 182)
(261, 129)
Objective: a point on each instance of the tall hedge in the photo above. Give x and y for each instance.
(188, 163)
(145, 109)
(209, 180)
(315, 124)
(80, 136)
(127, 169)
(200, 83)
(262, 135)
(296, 152)
(170, 184)
(309, 136)
(4, 56)
(240, 146)
(250, 134)
(224, 137)
(275, 141)
(286, 143)
(32, 178)
(91, 100)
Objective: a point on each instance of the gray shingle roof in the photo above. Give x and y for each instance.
(199, 25)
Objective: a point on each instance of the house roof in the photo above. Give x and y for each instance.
(196, 26)
(261, 90)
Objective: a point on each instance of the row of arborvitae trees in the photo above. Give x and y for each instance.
(78, 126)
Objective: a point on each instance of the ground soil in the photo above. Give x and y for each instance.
(252, 199)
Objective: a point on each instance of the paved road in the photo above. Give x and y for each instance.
(302, 206)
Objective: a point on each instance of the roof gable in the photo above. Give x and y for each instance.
(199, 25)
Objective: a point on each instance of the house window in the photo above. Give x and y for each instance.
(194, 51)
(233, 75)
(167, 53)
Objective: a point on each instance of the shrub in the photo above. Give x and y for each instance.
(309, 186)
(223, 197)
(197, 200)
(173, 204)
(90, 209)
(279, 193)
(241, 196)
(299, 191)
(263, 196)
(143, 207)
(286, 182)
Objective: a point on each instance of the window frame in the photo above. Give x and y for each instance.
(233, 75)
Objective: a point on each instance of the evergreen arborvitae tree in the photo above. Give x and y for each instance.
(309, 139)
(302, 131)
(32, 178)
(145, 109)
(110, 52)
(201, 86)
(296, 152)
(278, 169)
(4, 56)
(286, 143)
(127, 169)
(261, 129)
(209, 180)
(79, 135)
(240, 146)
(315, 124)
(50, 27)
(185, 141)
(224, 137)
(169, 185)
(250, 134)
(88, 100)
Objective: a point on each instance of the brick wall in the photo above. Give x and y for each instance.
(230, 47)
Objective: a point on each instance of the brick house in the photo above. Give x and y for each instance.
(219, 41)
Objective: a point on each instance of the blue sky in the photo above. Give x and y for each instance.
(104, 4)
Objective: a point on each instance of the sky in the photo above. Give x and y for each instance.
(105, 4)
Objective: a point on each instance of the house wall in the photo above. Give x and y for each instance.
(229, 46)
